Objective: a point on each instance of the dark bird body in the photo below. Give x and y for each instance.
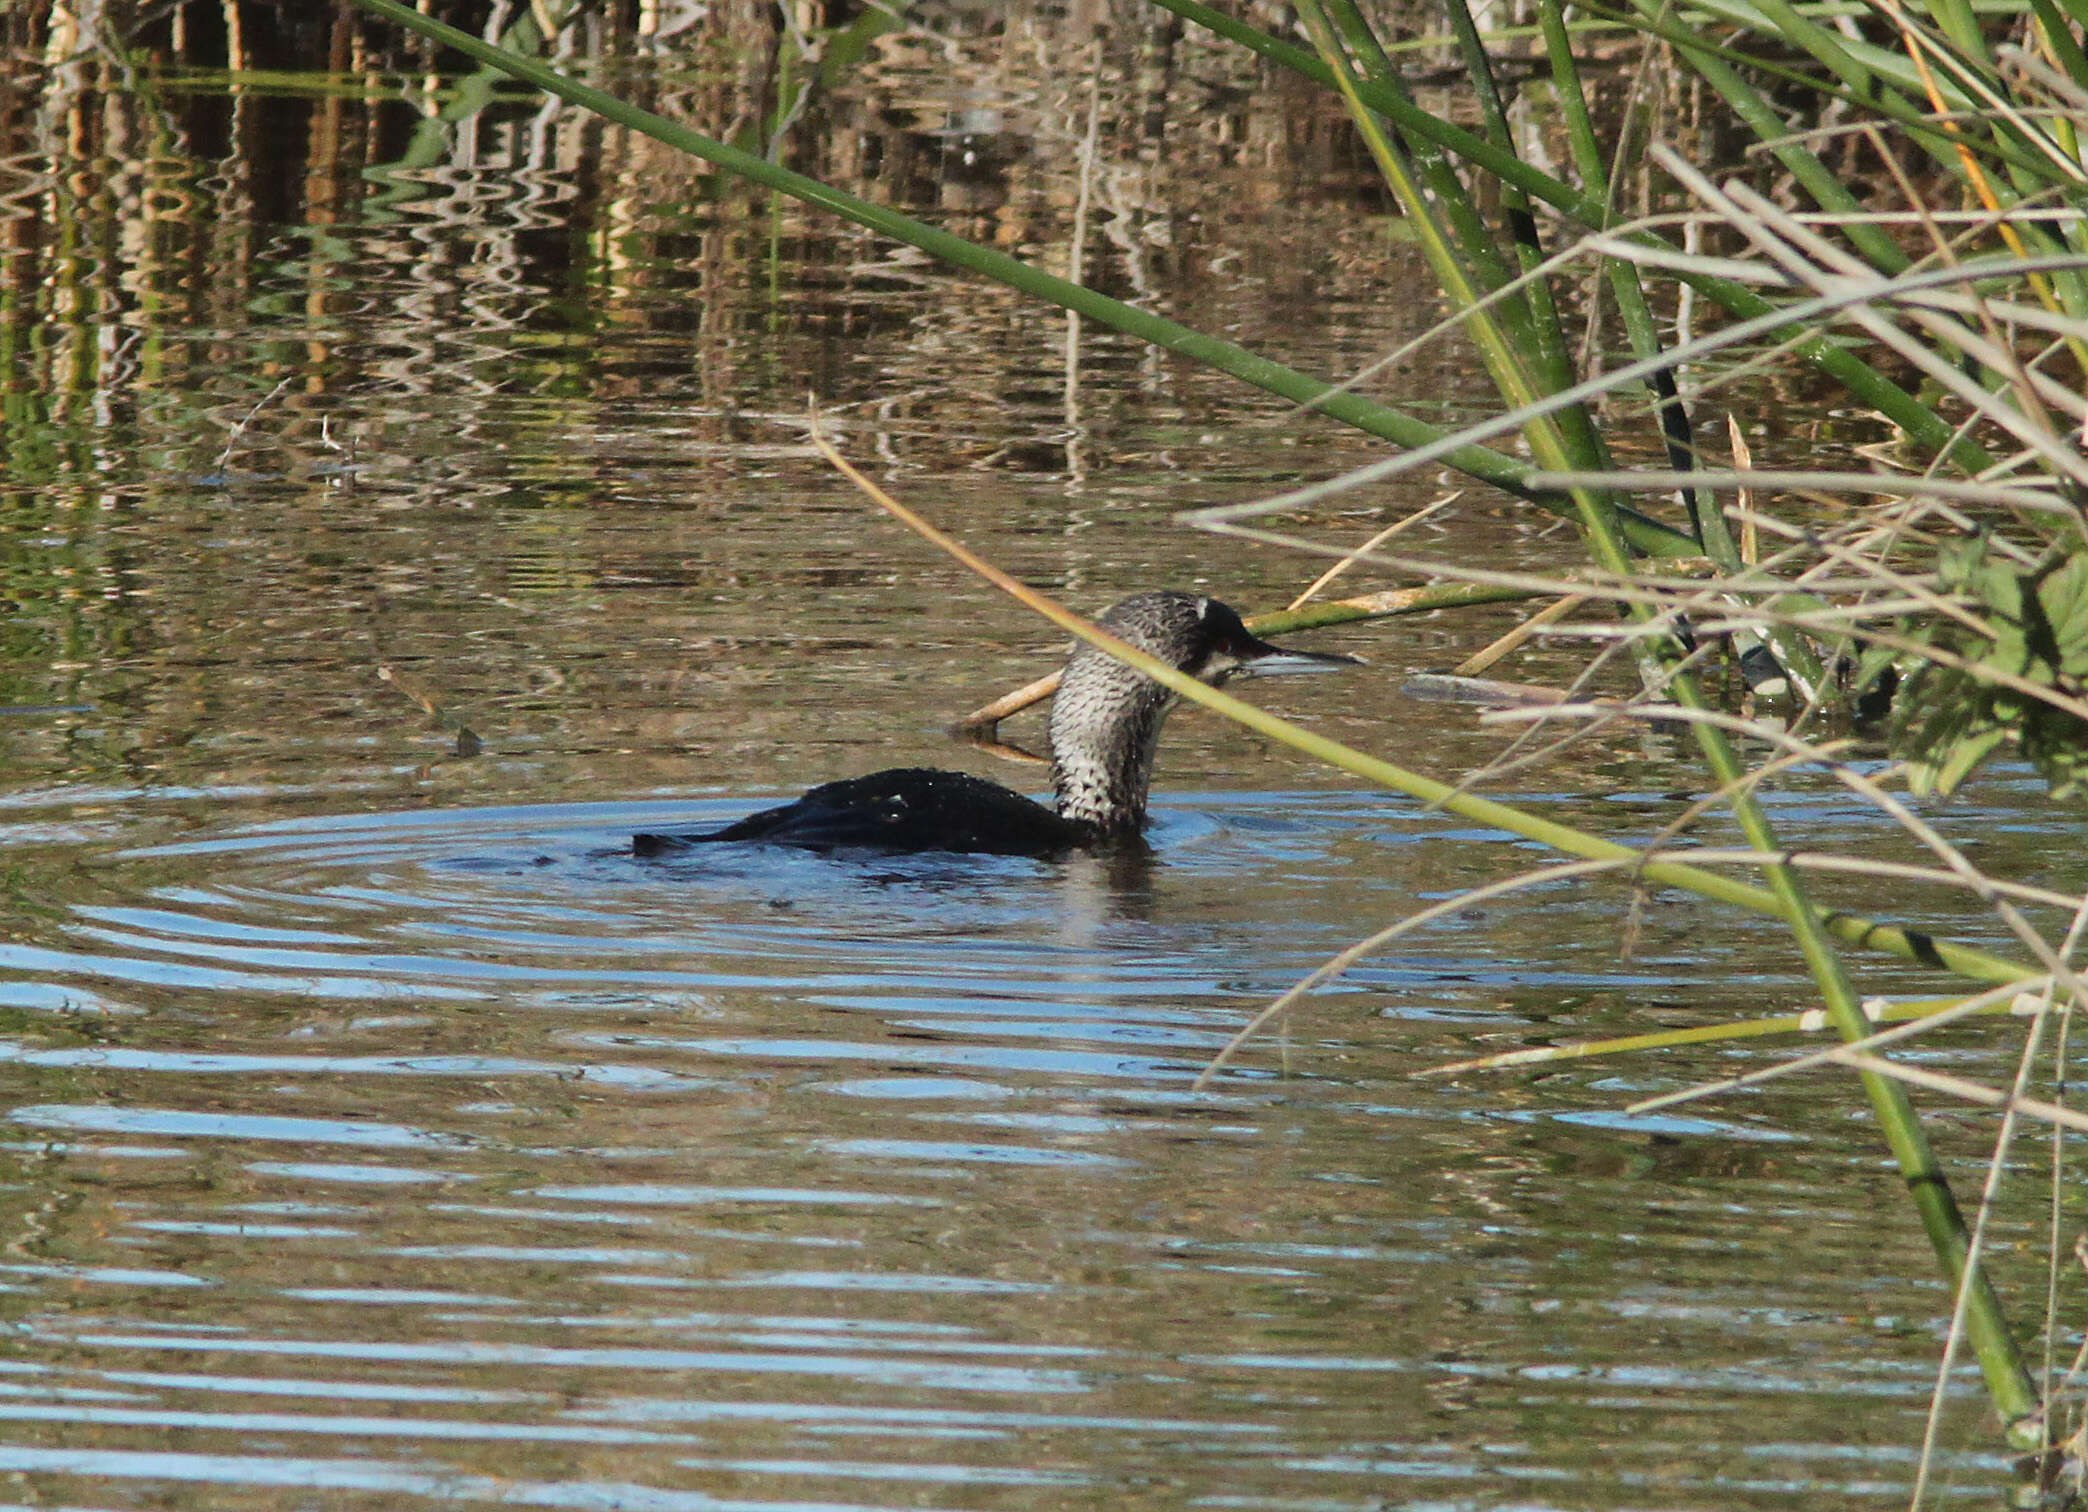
(1105, 724)
(902, 809)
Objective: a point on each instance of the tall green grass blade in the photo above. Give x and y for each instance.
(1552, 355)
(1707, 518)
(1497, 350)
(1589, 162)
(1430, 164)
(1527, 320)
(1626, 287)
(1957, 22)
(2008, 1380)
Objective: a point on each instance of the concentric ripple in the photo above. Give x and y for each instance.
(458, 1156)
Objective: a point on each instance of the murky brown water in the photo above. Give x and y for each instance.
(379, 1135)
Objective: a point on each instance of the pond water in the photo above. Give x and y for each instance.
(379, 1133)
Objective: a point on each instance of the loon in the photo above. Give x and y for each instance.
(1105, 722)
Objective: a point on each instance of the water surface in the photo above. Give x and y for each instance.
(380, 1133)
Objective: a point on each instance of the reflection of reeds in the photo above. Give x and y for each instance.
(375, 186)
(208, 206)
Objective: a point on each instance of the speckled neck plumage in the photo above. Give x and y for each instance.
(1104, 729)
(1106, 718)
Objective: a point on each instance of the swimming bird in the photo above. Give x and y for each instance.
(1105, 723)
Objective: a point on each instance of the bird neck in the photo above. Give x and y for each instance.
(1105, 724)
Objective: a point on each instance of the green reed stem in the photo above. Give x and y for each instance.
(1791, 648)
(1551, 354)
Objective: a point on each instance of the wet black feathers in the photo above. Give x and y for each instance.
(904, 809)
